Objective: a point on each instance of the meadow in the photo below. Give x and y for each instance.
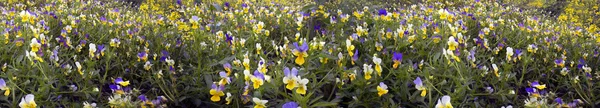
(306, 53)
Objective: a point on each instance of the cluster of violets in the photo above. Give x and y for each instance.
(271, 46)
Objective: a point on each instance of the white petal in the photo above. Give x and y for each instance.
(446, 99)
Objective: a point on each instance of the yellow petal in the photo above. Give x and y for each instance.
(7, 92)
(301, 90)
(300, 60)
(423, 93)
(213, 92)
(291, 85)
(378, 69)
(215, 98)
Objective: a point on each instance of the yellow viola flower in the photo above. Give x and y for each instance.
(302, 86)
(452, 44)
(367, 71)
(300, 52)
(291, 78)
(35, 45)
(4, 87)
(444, 102)
(216, 92)
(377, 62)
(382, 89)
(28, 101)
(259, 103)
(419, 86)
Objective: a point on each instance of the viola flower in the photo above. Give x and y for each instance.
(419, 85)
(89, 105)
(361, 32)
(258, 48)
(377, 62)
(340, 59)
(19, 42)
(224, 78)
(560, 103)
(259, 103)
(216, 92)
(28, 101)
(574, 103)
(290, 105)
(35, 45)
(559, 62)
(115, 42)
(444, 102)
(378, 46)
(382, 89)
(246, 62)
(368, 71)
(397, 58)
(228, 98)
(518, 53)
(532, 92)
(564, 71)
(4, 87)
(148, 65)
(78, 65)
(142, 56)
(449, 54)
(291, 78)
(452, 44)
(436, 39)
(352, 75)
(509, 53)
(300, 52)
(302, 86)
(538, 85)
(227, 68)
(257, 79)
(495, 68)
(121, 82)
(355, 57)
(262, 66)
(349, 47)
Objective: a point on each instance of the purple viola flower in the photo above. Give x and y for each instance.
(119, 80)
(226, 4)
(558, 101)
(228, 39)
(290, 105)
(244, 5)
(142, 98)
(397, 57)
(581, 63)
(302, 48)
(355, 57)
(100, 49)
(225, 76)
(288, 73)
(518, 53)
(259, 75)
(471, 55)
(227, 68)
(559, 62)
(530, 90)
(54, 55)
(382, 12)
(82, 42)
